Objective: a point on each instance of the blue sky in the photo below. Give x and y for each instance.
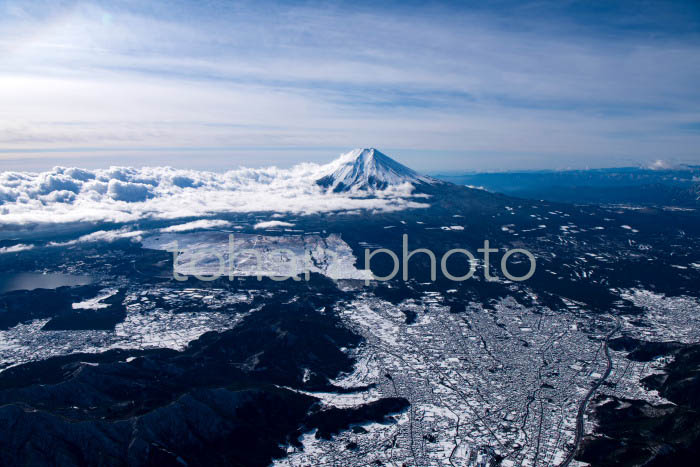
(448, 86)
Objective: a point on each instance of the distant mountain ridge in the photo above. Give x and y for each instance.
(626, 185)
(369, 169)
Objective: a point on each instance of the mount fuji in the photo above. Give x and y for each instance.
(367, 170)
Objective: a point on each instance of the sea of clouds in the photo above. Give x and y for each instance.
(124, 194)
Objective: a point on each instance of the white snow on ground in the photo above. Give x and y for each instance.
(96, 302)
(665, 318)
(209, 253)
(144, 327)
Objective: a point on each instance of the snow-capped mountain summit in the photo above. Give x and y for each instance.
(368, 169)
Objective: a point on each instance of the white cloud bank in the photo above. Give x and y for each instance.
(200, 224)
(272, 224)
(15, 248)
(108, 236)
(123, 194)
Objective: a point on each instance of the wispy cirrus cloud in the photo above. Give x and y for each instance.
(535, 84)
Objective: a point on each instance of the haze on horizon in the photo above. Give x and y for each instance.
(217, 85)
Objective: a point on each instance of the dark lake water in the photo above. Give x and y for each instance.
(31, 281)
